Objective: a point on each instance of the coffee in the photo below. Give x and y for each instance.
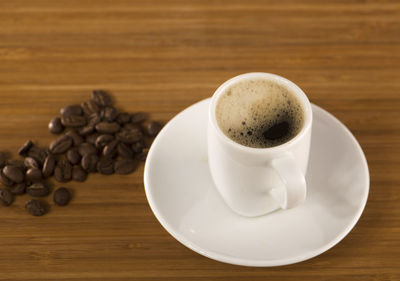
(259, 113)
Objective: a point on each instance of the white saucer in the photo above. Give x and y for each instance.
(182, 195)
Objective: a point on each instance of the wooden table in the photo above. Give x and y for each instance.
(160, 57)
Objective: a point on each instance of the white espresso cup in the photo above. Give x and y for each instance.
(256, 181)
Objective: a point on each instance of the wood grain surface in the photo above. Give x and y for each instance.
(160, 57)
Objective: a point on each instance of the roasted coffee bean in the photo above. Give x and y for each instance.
(17, 163)
(14, 173)
(78, 173)
(109, 114)
(25, 148)
(36, 207)
(110, 150)
(61, 196)
(63, 171)
(92, 138)
(124, 150)
(61, 144)
(94, 119)
(73, 121)
(138, 117)
(18, 188)
(101, 97)
(39, 154)
(31, 162)
(90, 107)
(89, 163)
(6, 197)
(76, 138)
(55, 126)
(137, 147)
(123, 118)
(143, 155)
(71, 110)
(103, 140)
(125, 166)
(105, 166)
(108, 128)
(3, 159)
(130, 136)
(48, 166)
(152, 128)
(38, 189)
(73, 156)
(87, 130)
(6, 181)
(33, 174)
(87, 148)
(131, 126)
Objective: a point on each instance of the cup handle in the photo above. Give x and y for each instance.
(294, 191)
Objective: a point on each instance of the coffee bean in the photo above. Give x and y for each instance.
(55, 126)
(73, 121)
(25, 148)
(61, 144)
(131, 126)
(18, 188)
(6, 181)
(137, 147)
(108, 128)
(110, 149)
(109, 114)
(87, 148)
(31, 162)
(36, 207)
(125, 166)
(6, 197)
(76, 138)
(78, 173)
(33, 174)
(87, 130)
(103, 140)
(105, 166)
(3, 159)
(38, 189)
(89, 163)
(124, 150)
(94, 119)
(39, 154)
(63, 171)
(48, 166)
(13, 173)
(101, 97)
(123, 118)
(152, 128)
(138, 117)
(92, 138)
(17, 163)
(130, 136)
(143, 155)
(71, 110)
(61, 196)
(73, 156)
(90, 107)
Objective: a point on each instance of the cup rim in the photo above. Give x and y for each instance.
(296, 89)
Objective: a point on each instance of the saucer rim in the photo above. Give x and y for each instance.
(242, 261)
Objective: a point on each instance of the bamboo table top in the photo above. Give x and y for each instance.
(160, 57)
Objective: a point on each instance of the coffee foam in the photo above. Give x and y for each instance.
(248, 108)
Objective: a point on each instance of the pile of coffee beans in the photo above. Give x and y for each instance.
(93, 138)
